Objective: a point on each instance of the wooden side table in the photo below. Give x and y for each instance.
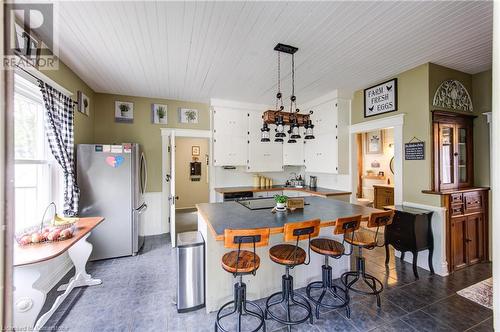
(28, 266)
(411, 230)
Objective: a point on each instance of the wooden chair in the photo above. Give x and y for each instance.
(242, 262)
(290, 256)
(363, 239)
(331, 248)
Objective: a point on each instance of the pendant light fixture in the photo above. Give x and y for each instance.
(280, 129)
(264, 133)
(309, 130)
(281, 118)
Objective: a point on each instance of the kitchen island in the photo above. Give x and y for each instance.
(214, 218)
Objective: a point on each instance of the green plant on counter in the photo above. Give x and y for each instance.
(280, 198)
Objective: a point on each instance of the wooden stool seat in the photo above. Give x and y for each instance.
(286, 254)
(361, 238)
(328, 247)
(246, 262)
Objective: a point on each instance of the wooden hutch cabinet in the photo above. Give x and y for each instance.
(453, 179)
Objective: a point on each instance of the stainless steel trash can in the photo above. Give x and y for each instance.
(190, 271)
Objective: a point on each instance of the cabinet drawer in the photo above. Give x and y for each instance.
(473, 201)
(457, 209)
(456, 198)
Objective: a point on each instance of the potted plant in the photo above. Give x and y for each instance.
(124, 109)
(161, 112)
(191, 116)
(280, 201)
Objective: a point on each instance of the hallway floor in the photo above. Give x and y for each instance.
(138, 294)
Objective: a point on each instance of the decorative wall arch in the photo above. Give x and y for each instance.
(452, 94)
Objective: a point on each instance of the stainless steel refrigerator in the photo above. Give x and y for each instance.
(112, 181)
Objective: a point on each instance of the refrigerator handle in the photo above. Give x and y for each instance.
(144, 170)
(142, 208)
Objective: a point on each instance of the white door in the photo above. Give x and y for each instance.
(172, 196)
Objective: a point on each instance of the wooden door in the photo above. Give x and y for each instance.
(458, 237)
(474, 239)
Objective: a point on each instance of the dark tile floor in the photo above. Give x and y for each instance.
(138, 294)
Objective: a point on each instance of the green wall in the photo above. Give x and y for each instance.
(100, 127)
(413, 96)
(142, 130)
(416, 88)
(84, 125)
(482, 91)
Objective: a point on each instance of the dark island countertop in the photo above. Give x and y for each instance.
(233, 215)
(319, 191)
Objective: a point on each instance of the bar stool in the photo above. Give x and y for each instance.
(239, 263)
(290, 256)
(331, 248)
(366, 240)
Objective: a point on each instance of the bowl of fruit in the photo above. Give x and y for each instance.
(55, 229)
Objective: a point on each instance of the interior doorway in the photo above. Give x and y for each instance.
(395, 124)
(191, 180)
(375, 179)
(189, 146)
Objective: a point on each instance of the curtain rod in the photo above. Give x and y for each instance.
(39, 79)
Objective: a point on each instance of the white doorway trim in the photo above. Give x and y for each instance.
(165, 188)
(395, 122)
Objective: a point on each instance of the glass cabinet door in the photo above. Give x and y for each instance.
(462, 156)
(447, 153)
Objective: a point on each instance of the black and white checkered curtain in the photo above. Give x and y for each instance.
(59, 127)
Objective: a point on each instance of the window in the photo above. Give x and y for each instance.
(34, 164)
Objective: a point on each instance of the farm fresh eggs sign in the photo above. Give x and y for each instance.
(381, 98)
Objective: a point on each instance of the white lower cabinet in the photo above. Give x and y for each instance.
(294, 193)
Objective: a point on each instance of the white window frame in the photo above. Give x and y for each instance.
(54, 181)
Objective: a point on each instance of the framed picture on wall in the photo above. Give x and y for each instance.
(195, 150)
(124, 112)
(381, 98)
(373, 142)
(83, 103)
(188, 115)
(159, 113)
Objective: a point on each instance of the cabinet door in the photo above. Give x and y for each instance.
(229, 122)
(262, 156)
(230, 151)
(475, 239)
(230, 137)
(325, 118)
(321, 154)
(463, 155)
(293, 154)
(458, 242)
(447, 156)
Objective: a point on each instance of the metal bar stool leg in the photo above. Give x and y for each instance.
(240, 308)
(359, 274)
(327, 287)
(288, 298)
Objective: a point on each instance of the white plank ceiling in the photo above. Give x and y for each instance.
(200, 50)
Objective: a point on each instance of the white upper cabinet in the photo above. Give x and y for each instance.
(230, 122)
(329, 151)
(230, 136)
(293, 154)
(262, 156)
(325, 118)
